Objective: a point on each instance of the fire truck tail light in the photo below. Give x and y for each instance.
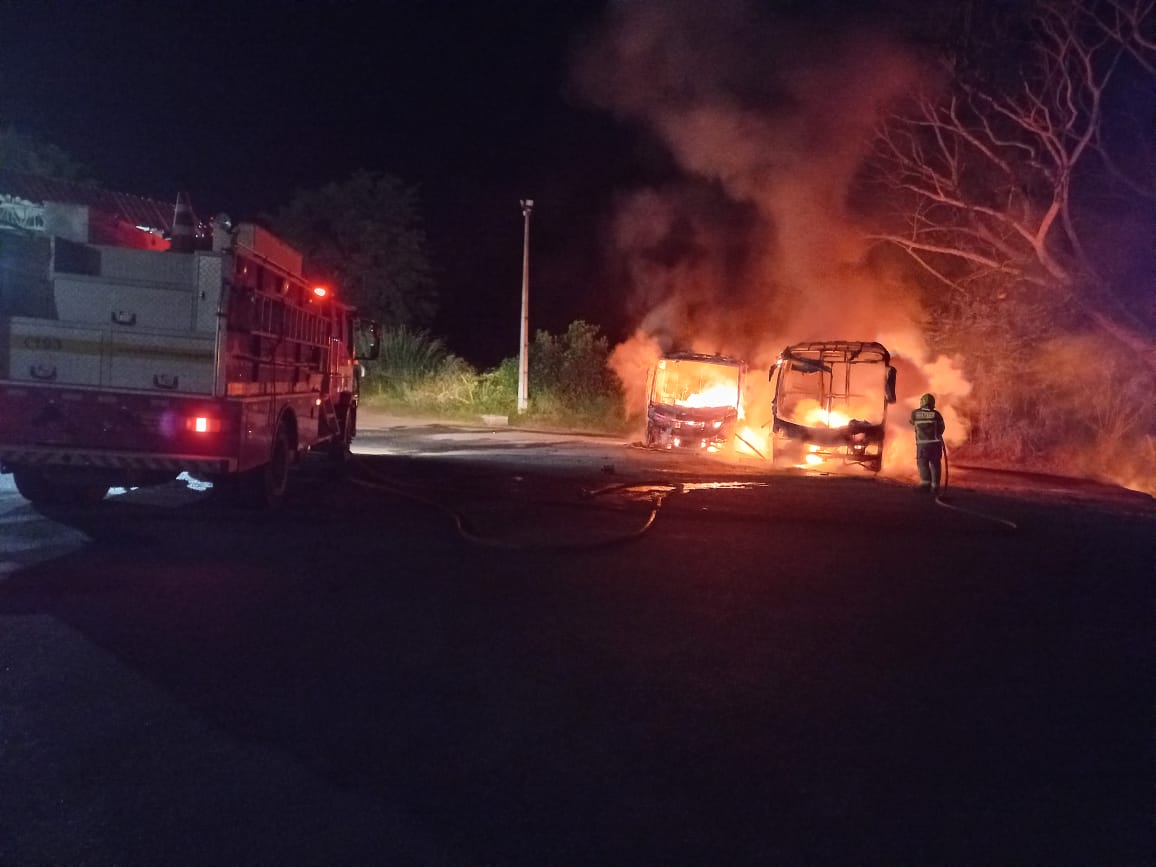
(203, 424)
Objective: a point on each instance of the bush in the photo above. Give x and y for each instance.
(569, 380)
(452, 386)
(1074, 404)
(498, 388)
(406, 358)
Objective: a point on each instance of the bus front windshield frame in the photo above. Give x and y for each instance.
(681, 382)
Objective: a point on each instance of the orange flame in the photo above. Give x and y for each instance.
(712, 396)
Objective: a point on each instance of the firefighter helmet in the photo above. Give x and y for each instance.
(927, 401)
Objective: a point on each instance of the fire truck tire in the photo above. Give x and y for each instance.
(36, 488)
(274, 476)
(339, 445)
(262, 487)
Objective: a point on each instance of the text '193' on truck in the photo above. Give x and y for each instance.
(122, 367)
(830, 405)
(694, 401)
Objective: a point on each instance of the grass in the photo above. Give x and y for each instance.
(571, 387)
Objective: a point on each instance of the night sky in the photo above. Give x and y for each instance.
(478, 104)
(240, 104)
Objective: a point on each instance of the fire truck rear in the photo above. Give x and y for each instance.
(126, 367)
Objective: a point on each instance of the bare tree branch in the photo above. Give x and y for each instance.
(987, 173)
(1133, 26)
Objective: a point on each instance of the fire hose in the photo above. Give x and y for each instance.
(657, 495)
(940, 501)
(466, 532)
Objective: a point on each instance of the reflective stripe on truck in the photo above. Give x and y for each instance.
(33, 456)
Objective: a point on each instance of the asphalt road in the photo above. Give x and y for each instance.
(496, 647)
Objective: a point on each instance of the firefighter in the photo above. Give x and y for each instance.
(928, 424)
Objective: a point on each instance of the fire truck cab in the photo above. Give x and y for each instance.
(125, 367)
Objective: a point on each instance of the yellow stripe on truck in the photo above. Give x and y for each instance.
(65, 346)
(163, 352)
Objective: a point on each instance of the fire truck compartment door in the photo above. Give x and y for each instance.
(50, 352)
(163, 363)
(100, 301)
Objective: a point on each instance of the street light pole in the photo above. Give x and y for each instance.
(524, 356)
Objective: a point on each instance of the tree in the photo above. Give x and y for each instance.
(1001, 181)
(366, 234)
(570, 377)
(21, 152)
(573, 365)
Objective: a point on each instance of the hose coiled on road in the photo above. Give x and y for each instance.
(461, 525)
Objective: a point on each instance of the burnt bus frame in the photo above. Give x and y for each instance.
(692, 426)
(859, 442)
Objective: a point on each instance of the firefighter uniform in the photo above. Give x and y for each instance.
(929, 426)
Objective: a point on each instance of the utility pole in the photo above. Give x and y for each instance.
(524, 356)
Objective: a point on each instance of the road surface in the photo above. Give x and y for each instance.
(500, 647)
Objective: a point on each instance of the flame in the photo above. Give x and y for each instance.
(751, 442)
(696, 383)
(779, 181)
(712, 396)
(814, 414)
(828, 418)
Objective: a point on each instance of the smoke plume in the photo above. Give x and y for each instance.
(750, 245)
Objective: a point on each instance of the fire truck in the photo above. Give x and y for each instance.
(122, 367)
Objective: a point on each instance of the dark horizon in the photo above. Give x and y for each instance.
(690, 162)
(239, 106)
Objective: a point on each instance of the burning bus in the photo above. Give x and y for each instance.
(694, 401)
(830, 404)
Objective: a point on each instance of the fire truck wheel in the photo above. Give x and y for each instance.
(38, 489)
(275, 475)
(339, 445)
